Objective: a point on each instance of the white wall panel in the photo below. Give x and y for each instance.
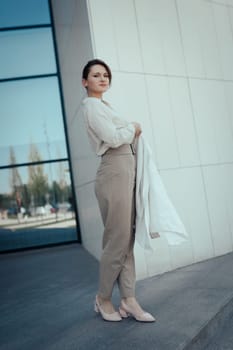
(225, 39)
(209, 44)
(160, 43)
(171, 38)
(64, 14)
(216, 178)
(199, 39)
(84, 170)
(222, 2)
(158, 261)
(140, 262)
(181, 255)
(230, 12)
(223, 125)
(79, 137)
(84, 161)
(190, 22)
(115, 35)
(150, 25)
(91, 224)
(228, 88)
(186, 190)
(162, 122)
(74, 49)
(212, 121)
(102, 30)
(229, 195)
(126, 34)
(63, 35)
(72, 93)
(184, 122)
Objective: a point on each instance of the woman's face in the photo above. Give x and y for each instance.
(97, 81)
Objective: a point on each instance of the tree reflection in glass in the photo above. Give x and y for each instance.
(30, 198)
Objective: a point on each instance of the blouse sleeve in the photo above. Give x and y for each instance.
(100, 121)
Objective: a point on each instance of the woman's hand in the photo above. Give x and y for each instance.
(138, 129)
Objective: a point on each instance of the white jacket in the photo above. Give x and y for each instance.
(155, 214)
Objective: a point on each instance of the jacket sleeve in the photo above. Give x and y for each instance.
(100, 121)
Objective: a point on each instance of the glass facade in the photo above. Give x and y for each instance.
(31, 114)
(26, 52)
(15, 13)
(36, 198)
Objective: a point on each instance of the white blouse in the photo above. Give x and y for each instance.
(105, 128)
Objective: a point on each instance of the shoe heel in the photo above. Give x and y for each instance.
(123, 313)
(96, 308)
(113, 317)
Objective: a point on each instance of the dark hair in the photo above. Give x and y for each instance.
(91, 63)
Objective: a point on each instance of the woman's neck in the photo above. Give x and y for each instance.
(100, 96)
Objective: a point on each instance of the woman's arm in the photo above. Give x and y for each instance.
(100, 121)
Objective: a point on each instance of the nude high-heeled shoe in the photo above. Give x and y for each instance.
(113, 317)
(126, 311)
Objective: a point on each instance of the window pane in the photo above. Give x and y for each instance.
(31, 121)
(26, 52)
(36, 206)
(23, 12)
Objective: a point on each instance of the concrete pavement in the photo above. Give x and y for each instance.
(47, 303)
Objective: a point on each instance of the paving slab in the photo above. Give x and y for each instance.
(223, 337)
(47, 303)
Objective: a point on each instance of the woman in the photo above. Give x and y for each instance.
(113, 139)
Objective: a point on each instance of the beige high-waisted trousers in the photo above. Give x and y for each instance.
(115, 191)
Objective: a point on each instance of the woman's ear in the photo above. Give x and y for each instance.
(84, 83)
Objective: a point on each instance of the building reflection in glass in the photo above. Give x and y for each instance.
(33, 199)
(32, 114)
